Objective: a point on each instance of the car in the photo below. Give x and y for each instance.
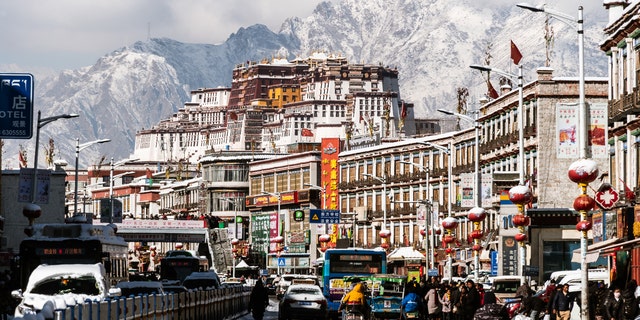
(303, 301)
(270, 284)
(202, 280)
(173, 286)
(288, 279)
(140, 288)
(55, 287)
(505, 287)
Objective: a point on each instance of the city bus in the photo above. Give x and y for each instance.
(339, 263)
(79, 243)
(178, 264)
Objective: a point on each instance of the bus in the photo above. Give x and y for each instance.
(339, 263)
(178, 264)
(75, 243)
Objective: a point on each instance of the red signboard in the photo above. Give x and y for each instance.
(607, 198)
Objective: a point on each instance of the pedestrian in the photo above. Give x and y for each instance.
(473, 300)
(613, 306)
(445, 301)
(562, 303)
(533, 307)
(433, 303)
(629, 301)
(259, 300)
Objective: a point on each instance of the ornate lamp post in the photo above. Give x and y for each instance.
(449, 224)
(476, 215)
(520, 196)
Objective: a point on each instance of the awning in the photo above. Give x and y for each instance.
(593, 251)
(405, 253)
(621, 246)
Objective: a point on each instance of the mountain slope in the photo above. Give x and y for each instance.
(431, 42)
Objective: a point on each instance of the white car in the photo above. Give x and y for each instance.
(53, 287)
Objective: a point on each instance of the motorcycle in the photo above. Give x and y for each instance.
(353, 312)
(411, 315)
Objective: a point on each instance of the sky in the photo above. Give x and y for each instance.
(69, 34)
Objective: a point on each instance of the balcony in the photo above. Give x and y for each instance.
(620, 108)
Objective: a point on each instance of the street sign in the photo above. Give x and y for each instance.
(281, 262)
(16, 105)
(607, 198)
(324, 216)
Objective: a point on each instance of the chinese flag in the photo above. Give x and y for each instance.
(403, 112)
(306, 132)
(493, 94)
(515, 53)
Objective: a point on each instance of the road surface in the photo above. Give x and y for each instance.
(270, 314)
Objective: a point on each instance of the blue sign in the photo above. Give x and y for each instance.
(324, 216)
(281, 262)
(16, 105)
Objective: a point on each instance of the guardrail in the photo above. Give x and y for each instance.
(223, 303)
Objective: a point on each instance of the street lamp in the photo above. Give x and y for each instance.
(41, 123)
(111, 178)
(235, 232)
(450, 193)
(323, 190)
(384, 198)
(427, 218)
(80, 147)
(520, 114)
(32, 210)
(576, 24)
(478, 175)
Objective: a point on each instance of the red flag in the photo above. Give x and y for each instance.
(403, 112)
(515, 53)
(628, 193)
(149, 174)
(493, 94)
(306, 132)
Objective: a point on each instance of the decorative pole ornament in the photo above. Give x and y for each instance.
(323, 241)
(521, 196)
(583, 172)
(384, 235)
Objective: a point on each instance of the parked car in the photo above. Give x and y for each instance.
(54, 287)
(140, 288)
(202, 280)
(303, 301)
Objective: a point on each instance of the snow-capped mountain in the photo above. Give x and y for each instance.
(431, 42)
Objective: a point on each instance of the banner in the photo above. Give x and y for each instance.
(466, 183)
(566, 130)
(487, 190)
(598, 130)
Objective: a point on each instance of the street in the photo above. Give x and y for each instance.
(270, 314)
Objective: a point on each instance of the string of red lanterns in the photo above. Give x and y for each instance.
(583, 172)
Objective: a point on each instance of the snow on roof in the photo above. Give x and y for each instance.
(43, 272)
(405, 253)
(139, 284)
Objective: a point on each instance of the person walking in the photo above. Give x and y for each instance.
(613, 306)
(259, 300)
(445, 301)
(562, 303)
(433, 303)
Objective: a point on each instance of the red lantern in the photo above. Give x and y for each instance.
(476, 247)
(323, 249)
(477, 214)
(520, 237)
(520, 220)
(448, 239)
(450, 223)
(235, 242)
(423, 232)
(31, 211)
(584, 225)
(179, 246)
(584, 203)
(476, 234)
(234, 250)
(583, 171)
(520, 195)
(448, 250)
(278, 239)
(438, 231)
(324, 238)
(384, 245)
(384, 233)
(435, 254)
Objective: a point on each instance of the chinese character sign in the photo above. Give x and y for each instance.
(566, 130)
(487, 190)
(260, 231)
(16, 105)
(466, 181)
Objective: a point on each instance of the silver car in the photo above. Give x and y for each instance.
(303, 301)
